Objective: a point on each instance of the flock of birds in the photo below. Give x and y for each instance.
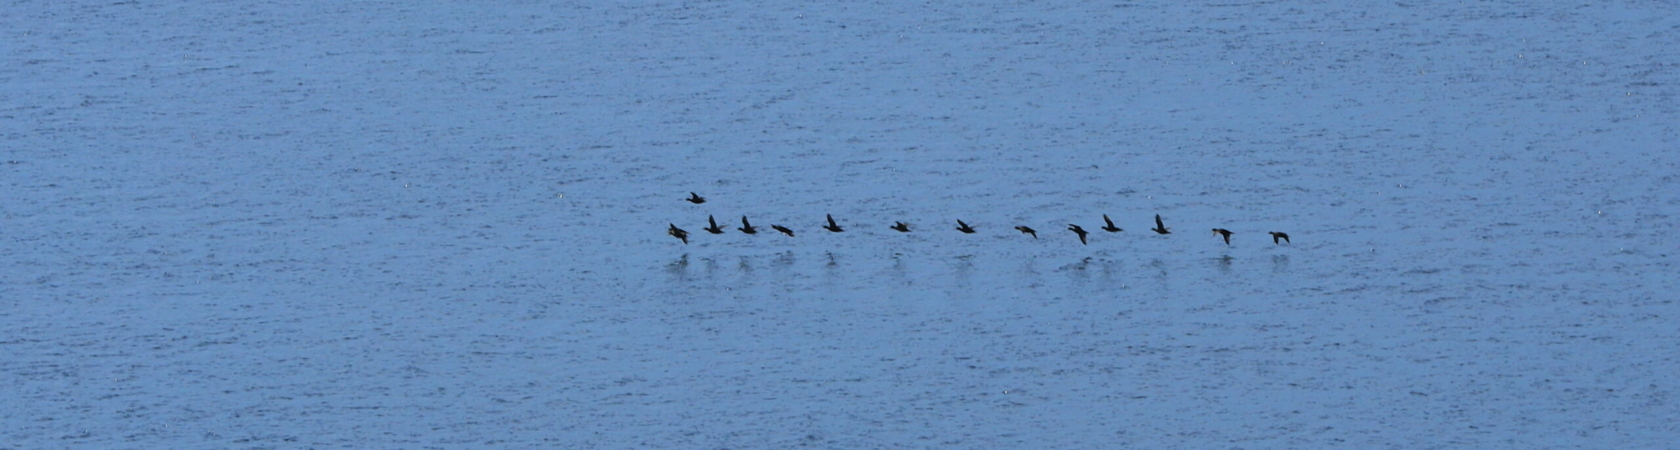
(834, 227)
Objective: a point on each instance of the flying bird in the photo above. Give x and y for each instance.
(1028, 230)
(835, 227)
(1110, 225)
(747, 227)
(1223, 233)
(714, 229)
(963, 227)
(1160, 227)
(1278, 235)
(782, 229)
(1079, 231)
(678, 233)
(695, 198)
(901, 227)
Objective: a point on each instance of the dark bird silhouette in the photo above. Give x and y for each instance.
(1160, 227)
(782, 229)
(1079, 231)
(835, 227)
(678, 233)
(1028, 230)
(714, 229)
(747, 227)
(1277, 235)
(963, 227)
(695, 198)
(901, 227)
(1110, 225)
(1224, 233)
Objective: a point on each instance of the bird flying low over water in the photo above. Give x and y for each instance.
(1028, 230)
(747, 227)
(901, 227)
(1277, 235)
(1223, 233)
(1160, 228)
(714, 229)
(678, 233)
(1079, 231)
(1109, 227)
(963, 227)
(782, 229)
(835, 227)
(695, 198)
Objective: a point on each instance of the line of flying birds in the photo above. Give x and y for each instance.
(834, 227)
